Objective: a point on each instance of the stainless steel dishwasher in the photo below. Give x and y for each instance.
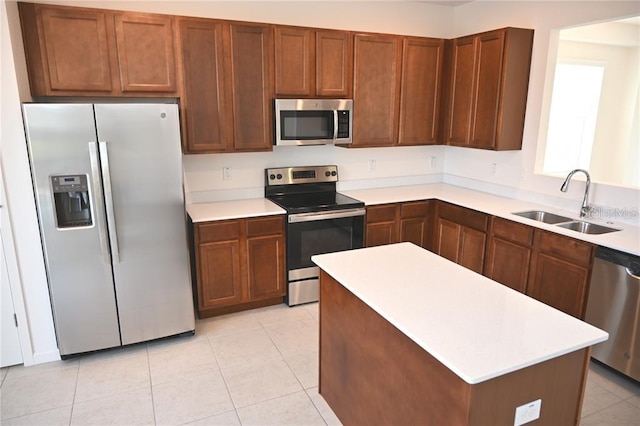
(614, 306)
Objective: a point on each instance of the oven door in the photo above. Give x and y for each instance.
(309, 234)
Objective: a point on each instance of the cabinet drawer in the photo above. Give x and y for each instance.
(218, 231)
(575, 251)
(383, 213)
(265, 226)
(463, 216)
(418, 209)
(512, 231)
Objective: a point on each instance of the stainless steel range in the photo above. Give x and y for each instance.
(319, 220)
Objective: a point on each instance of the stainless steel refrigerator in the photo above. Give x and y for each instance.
(108, 185)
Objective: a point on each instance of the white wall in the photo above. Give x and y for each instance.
(515, 170)
(20, 202)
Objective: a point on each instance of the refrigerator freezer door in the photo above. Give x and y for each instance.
(140, 145)
(77, 259)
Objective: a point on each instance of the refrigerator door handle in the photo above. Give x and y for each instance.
(108, 198)
(97, 189)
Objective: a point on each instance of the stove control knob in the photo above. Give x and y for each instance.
(272, 176)
(333, 173)
(279, 176)
(327, 173)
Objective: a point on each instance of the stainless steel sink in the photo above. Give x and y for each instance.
(542, 216)
(587, 227)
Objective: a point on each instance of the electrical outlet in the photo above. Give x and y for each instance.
(528, 412)
(372, 165)
(433, 163)
(226, 173)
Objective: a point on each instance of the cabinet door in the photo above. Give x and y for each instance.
(265, 267)
(415, 220)
(294, 58)
(461, 92)
(265, 257)
(487, 93)
(420, 91)
(251, 83)
(334, 63)
(66, 50)
(471, 250)
(376, 87)
(379, 234)
(146, 53)
(448, 239)
(414, 231)
(205, 103)
(219, 276)
(558, 283)
(382, 225)
(508, 263)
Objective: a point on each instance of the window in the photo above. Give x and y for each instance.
(574, 113)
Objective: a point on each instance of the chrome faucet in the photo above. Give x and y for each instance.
(586, 208)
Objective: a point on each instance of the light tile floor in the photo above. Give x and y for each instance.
(257, 367)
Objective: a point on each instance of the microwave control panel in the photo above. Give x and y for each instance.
(343, 124)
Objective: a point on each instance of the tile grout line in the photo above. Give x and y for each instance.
(153, 404)
(224, 380)
(293, 372)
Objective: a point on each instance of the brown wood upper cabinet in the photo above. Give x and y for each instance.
(376, 89)
(226, 96)
(251, 86)
(460, 235)
(422, 62)
(397, 90)
(91, 52)
(488, 79)
(312, 63)
(207, 119)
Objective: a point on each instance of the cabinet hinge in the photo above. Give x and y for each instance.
(15, 319)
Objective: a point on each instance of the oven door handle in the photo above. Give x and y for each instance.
(309, 217)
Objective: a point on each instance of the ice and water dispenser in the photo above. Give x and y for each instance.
(71, 199)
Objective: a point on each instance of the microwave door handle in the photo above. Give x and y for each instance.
(335, 124)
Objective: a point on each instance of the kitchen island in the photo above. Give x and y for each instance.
(408, 337)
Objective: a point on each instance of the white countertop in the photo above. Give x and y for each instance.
(627, 240)
(476, 327)
(236, 209)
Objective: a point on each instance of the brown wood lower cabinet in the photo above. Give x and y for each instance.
(461, 235)
(399, 222)
(239, 264)
(509, 253)
(560, 272)
(551, 268)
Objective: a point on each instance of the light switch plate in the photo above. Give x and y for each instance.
(528, 412)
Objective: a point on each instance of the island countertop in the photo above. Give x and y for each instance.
(476, 327)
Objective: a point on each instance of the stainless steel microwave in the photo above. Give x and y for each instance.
(313, 121)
